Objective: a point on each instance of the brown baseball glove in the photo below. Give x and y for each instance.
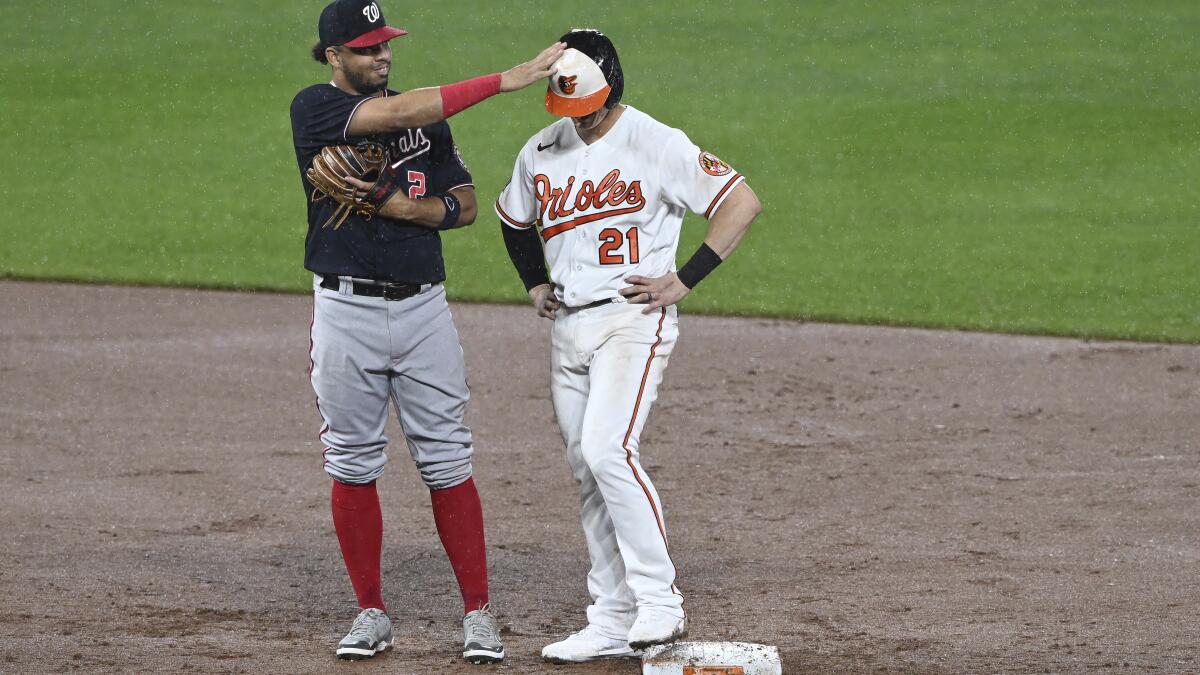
(366, 162)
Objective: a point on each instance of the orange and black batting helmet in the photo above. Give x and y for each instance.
(600, 49)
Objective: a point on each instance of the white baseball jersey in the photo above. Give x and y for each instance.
(612, 208)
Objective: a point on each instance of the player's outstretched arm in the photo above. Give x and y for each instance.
(539, 68)
(422, 107)
(726, 228)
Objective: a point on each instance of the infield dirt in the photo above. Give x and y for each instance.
(867, 499)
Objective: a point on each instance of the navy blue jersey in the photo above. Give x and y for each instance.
(381, 248)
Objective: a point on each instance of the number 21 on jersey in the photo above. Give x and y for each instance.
(612, 246)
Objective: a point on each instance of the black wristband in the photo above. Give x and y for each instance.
(453, 208)
(703, 261)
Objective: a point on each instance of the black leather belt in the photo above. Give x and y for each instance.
(387, 291)
(598, 303)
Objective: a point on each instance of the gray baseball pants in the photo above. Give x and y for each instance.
(366, 351)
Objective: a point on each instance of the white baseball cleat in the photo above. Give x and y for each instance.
(587, 645)
(656, 627)
(370, 634)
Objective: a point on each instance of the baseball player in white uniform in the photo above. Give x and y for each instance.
(600, 196)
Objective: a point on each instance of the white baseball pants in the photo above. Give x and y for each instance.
(606, 366)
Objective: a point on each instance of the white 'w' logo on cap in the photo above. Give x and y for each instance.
(371, 11)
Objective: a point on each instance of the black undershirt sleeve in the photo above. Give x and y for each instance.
(525, 251)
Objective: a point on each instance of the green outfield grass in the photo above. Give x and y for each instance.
(1025, 166)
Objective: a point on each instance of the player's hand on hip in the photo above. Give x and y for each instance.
(654, 292)
(519, 77)
(544, 301)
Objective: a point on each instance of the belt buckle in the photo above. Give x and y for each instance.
(393, 291)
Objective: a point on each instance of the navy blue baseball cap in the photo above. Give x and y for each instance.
(355, 23)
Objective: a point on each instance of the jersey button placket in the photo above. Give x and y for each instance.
(579, 253)
(579, 249)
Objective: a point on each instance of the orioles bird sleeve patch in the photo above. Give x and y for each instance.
(713, 165)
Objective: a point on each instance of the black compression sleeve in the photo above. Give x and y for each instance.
(525, 251)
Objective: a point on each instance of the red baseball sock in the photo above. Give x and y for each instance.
(459, 519)
(359, 525)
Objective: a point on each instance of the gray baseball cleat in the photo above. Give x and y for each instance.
(370, 635)
(587, 645)
(481, 637)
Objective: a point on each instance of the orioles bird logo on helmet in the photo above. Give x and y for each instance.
(567, 84)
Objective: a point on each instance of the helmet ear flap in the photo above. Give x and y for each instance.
(616, 80)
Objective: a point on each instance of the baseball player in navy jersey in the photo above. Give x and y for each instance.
(599, 196)
(381, 327)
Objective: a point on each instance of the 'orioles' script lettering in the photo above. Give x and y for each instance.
(559, 202)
